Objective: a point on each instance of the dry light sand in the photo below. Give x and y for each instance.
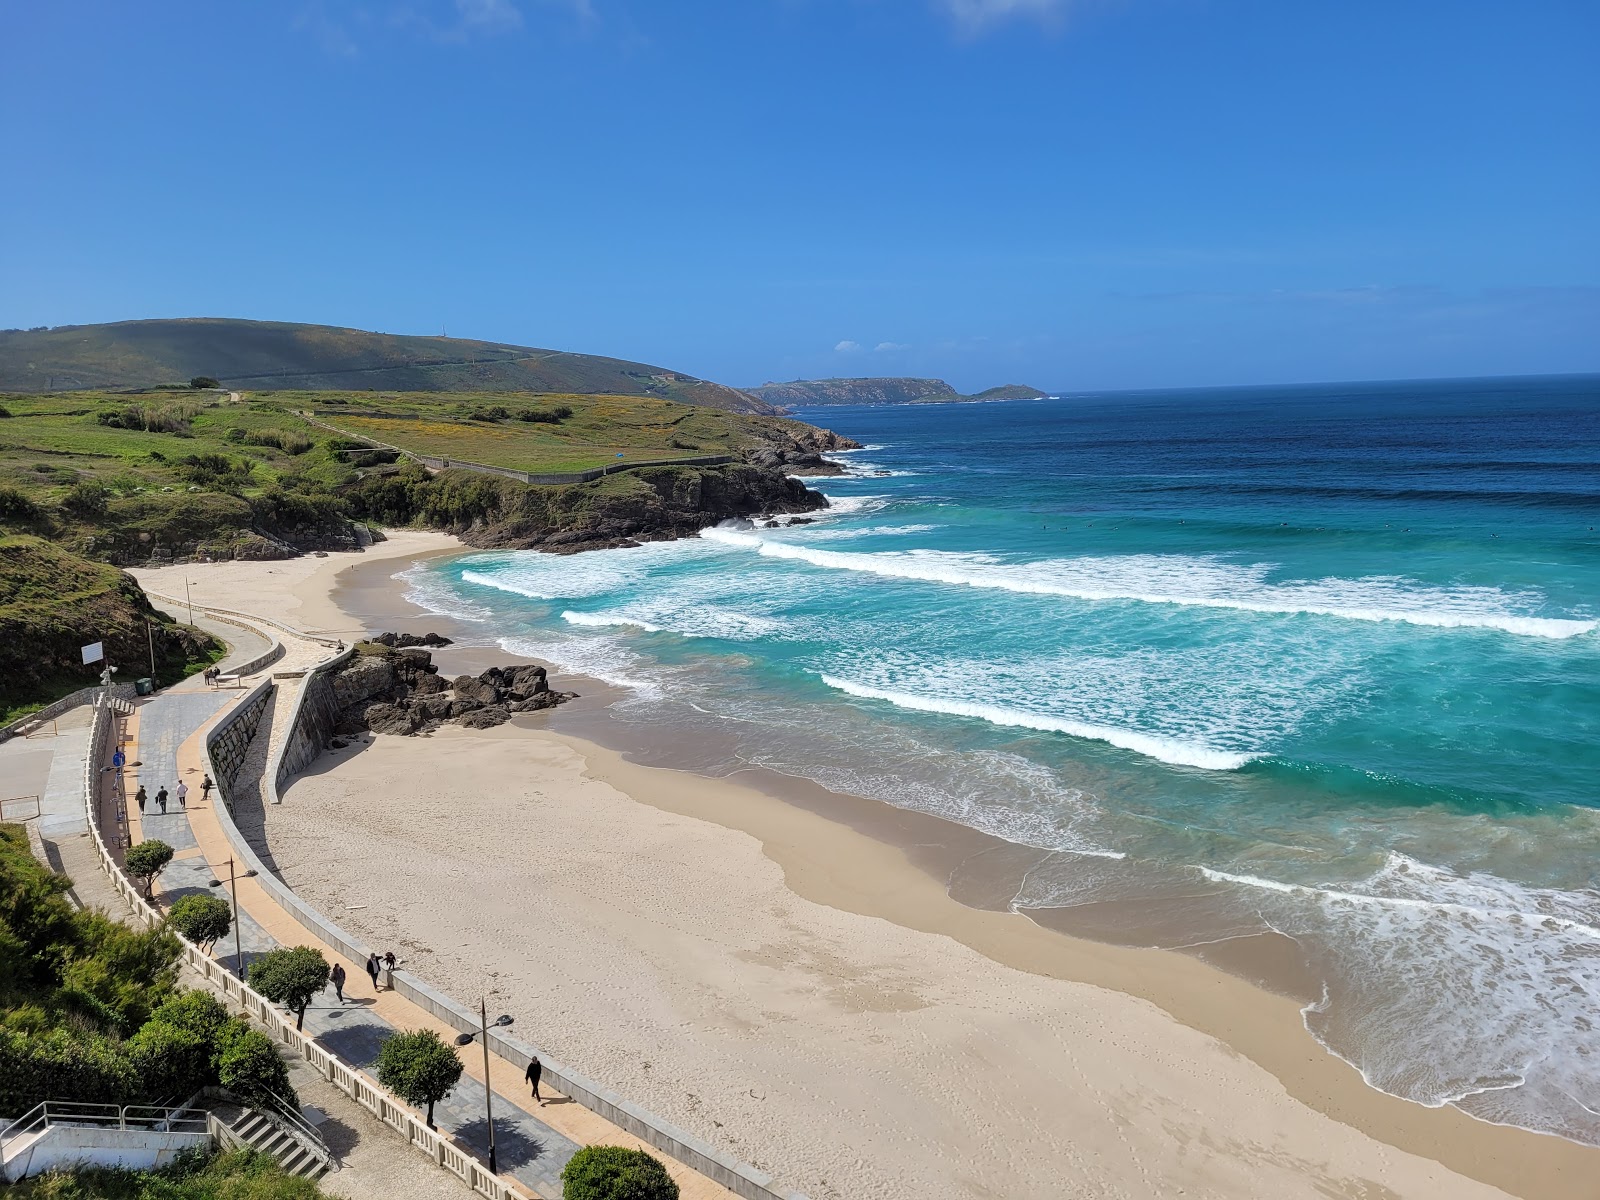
(806, 998)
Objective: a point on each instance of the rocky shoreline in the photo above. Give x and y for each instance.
(391, 685)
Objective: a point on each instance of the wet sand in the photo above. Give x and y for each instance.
(786, 971)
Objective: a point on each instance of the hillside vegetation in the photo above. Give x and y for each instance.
(274, 354)
(127, 479)
(807, 393)
(52, 603)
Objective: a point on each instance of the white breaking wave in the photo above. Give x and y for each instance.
(1450, 988)
(608, 620)
(685, 620)
(1186, 581)
(1168, 750)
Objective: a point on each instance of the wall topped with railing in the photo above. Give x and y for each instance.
(381, 1103)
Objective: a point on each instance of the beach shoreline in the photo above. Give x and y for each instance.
(847, 855)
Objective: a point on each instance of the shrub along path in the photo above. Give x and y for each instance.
(532, 1150)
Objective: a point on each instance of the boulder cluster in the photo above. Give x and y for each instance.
(389, 686)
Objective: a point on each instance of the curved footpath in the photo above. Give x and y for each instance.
(167, 736)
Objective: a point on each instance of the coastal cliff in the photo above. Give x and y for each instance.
(649, 504)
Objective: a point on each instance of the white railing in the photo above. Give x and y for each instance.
(387, 1107)
(147, 1117)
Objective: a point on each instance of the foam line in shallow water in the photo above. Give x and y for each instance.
(1167, 750)
(1182, 580)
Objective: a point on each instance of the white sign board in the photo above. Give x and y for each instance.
(94, 652)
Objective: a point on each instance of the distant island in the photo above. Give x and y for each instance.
(811, 393)
(287, 356)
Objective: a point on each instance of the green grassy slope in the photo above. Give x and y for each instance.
(272, 354)
(53, 602)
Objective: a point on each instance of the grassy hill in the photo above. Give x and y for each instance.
(272, 354)
(196, 474)
(806, 393)
(53, 602)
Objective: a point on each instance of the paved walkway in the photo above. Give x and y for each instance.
(167, 734)
(49, 765)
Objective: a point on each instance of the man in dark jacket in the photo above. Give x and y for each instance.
(535, 1069)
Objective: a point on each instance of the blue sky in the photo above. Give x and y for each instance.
(1090, 194)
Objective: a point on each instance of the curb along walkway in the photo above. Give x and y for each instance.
(532, 1149)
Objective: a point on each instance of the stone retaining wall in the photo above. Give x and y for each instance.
(229, 740)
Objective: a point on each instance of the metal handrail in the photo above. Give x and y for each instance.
(101, 1116)
(282, 1113)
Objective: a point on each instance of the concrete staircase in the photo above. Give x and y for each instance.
(297, 1147)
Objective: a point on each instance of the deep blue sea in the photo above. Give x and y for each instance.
(1319, 660)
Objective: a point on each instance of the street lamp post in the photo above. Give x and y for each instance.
(465, 1039)
(233, 888)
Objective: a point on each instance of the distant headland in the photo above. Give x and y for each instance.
(809, 393)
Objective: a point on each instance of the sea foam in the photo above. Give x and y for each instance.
(1167, 750)
(1185, 581)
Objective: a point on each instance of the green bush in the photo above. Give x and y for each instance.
(86, 498)
(545, 416)
(419, 1068)
(198, 1013)
(62, 1064)
(147, 860)
(203, 381)
(15, 506)
(615, 1173)
(290, 978)
(169, 1061)
(251, 1069)
(201, 918)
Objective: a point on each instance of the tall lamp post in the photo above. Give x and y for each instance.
(233, 887)
(465, 1039)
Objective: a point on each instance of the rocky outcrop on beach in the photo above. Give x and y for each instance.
(388, 689)
(400, 641)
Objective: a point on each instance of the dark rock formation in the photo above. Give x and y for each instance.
(402, 640)
(386, 689)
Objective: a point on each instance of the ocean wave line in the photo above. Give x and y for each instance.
(935, 568)
(1410, 902)
(1167, 750)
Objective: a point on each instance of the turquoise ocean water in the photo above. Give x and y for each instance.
(1319, 660)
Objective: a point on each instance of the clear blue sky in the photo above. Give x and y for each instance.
(1101, 193)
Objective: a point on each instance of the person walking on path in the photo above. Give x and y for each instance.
(389, 961)
(372, 969)
(161, 800)
(141, 797)
(336, 977)
(535, 1069)
(119, 759)
(183, 794)
(205, 788)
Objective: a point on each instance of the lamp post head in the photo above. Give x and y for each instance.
(464, 1039)
(215, 883)
(502, 1019)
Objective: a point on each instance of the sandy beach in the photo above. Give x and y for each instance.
(809, 997)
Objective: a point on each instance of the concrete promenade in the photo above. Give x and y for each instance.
(533, 1143)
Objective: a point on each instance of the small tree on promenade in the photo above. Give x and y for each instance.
(419, 1068)
(250, 1067)
(147, 860)
(201, 918)
(616, 1173)
(290, 978)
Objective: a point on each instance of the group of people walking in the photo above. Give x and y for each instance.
(142, 798)
(377, 968)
